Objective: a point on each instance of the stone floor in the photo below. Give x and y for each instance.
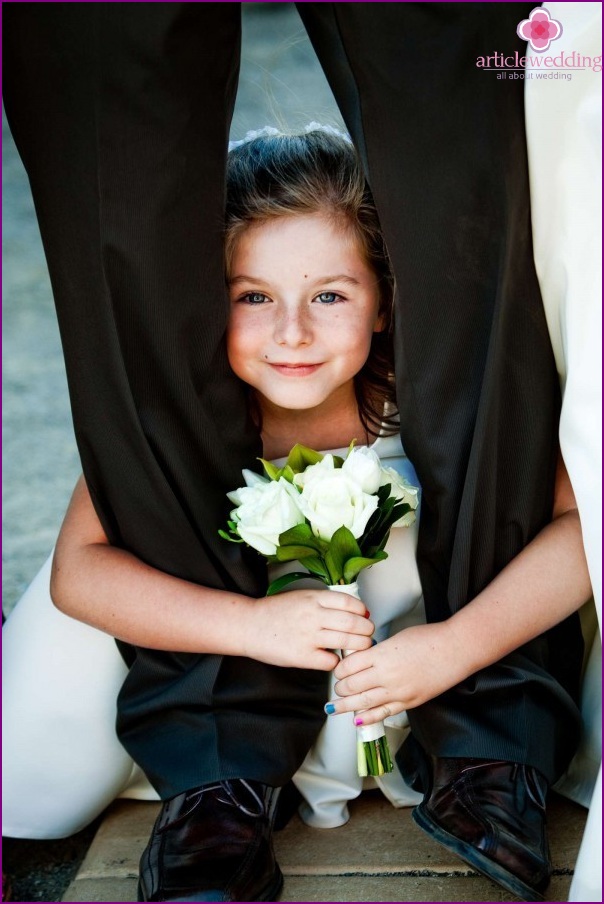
(380, 855)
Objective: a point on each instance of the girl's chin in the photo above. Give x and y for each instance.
(293, 404)
(292, 401)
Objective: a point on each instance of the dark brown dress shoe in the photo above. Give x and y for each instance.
(213, 844)
(492, 815)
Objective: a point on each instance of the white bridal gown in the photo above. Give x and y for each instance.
(564, 128)
(62, 761)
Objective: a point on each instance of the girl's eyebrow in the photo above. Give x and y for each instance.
(243, 278)
(341, 277)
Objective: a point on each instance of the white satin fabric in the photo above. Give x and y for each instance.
(328, 777)
(563, 121)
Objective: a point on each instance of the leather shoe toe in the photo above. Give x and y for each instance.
(213, 843)
(492, 815)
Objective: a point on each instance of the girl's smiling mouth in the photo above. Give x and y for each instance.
(295, 370)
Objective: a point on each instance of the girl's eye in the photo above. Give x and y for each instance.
(327, 297)
(254, 298)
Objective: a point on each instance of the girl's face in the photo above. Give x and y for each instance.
(304, 306)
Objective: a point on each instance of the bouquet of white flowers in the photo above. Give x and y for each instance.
(333, 515)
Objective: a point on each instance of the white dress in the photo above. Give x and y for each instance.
(62, 761)
(564, 129)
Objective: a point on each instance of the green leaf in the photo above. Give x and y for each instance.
(278, 584)
(400, 509)
(228, 537)
(302, 535)
(334, 571)
(301, 457)
(338, 461)
(317, 567)
(291, 553)
(383, 493)
(274, 473)
(354, 566)
(270, 469)
(342, 547)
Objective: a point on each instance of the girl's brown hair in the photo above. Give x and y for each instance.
(319, 172)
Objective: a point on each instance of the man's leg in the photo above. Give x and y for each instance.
(121, 114)
(443, 143)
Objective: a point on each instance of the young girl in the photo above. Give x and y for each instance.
(311, 335)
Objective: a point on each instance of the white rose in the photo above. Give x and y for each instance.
(404, 492)
(363, 466)
(265, 510)
(251, 480)
(330, 499)
(313, 472)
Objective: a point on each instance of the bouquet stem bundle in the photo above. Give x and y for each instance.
(333, 515)
(373, 753)
(373, 756)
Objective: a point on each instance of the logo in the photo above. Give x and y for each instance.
(539, 29)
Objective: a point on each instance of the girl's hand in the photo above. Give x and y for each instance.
(302, 628)
(404, 671)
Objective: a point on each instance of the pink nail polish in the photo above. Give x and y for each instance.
(358, 721)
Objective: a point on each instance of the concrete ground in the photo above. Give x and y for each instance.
(380, 855)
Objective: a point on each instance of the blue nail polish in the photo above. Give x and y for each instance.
(329, 709)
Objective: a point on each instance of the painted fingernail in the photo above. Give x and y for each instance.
(358, 721)
(329, 709)
(367, 613)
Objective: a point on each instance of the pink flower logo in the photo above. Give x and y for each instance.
(539, 29)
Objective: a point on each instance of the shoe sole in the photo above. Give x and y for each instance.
(475, 858)
(272, 893)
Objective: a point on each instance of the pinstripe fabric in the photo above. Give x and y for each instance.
(121, 114)
(445, 152)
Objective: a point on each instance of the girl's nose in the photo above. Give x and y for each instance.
(293, 328)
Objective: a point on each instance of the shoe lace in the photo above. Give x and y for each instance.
(227, 787)
(192, 800)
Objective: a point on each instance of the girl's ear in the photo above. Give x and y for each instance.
(380, 323)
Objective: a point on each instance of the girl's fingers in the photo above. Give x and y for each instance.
(379, 713)
(359, 683)
(340, 640)
(346, 623)
(350, 665)
(324, 660)
(358, 702)
(367, 707)
(342, 601)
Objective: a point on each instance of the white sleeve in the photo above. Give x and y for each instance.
(564, 148)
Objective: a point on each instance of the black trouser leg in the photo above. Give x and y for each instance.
(121, 114)
(444, 148)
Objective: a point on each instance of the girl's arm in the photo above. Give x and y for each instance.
(112, 590)
(540, 587)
